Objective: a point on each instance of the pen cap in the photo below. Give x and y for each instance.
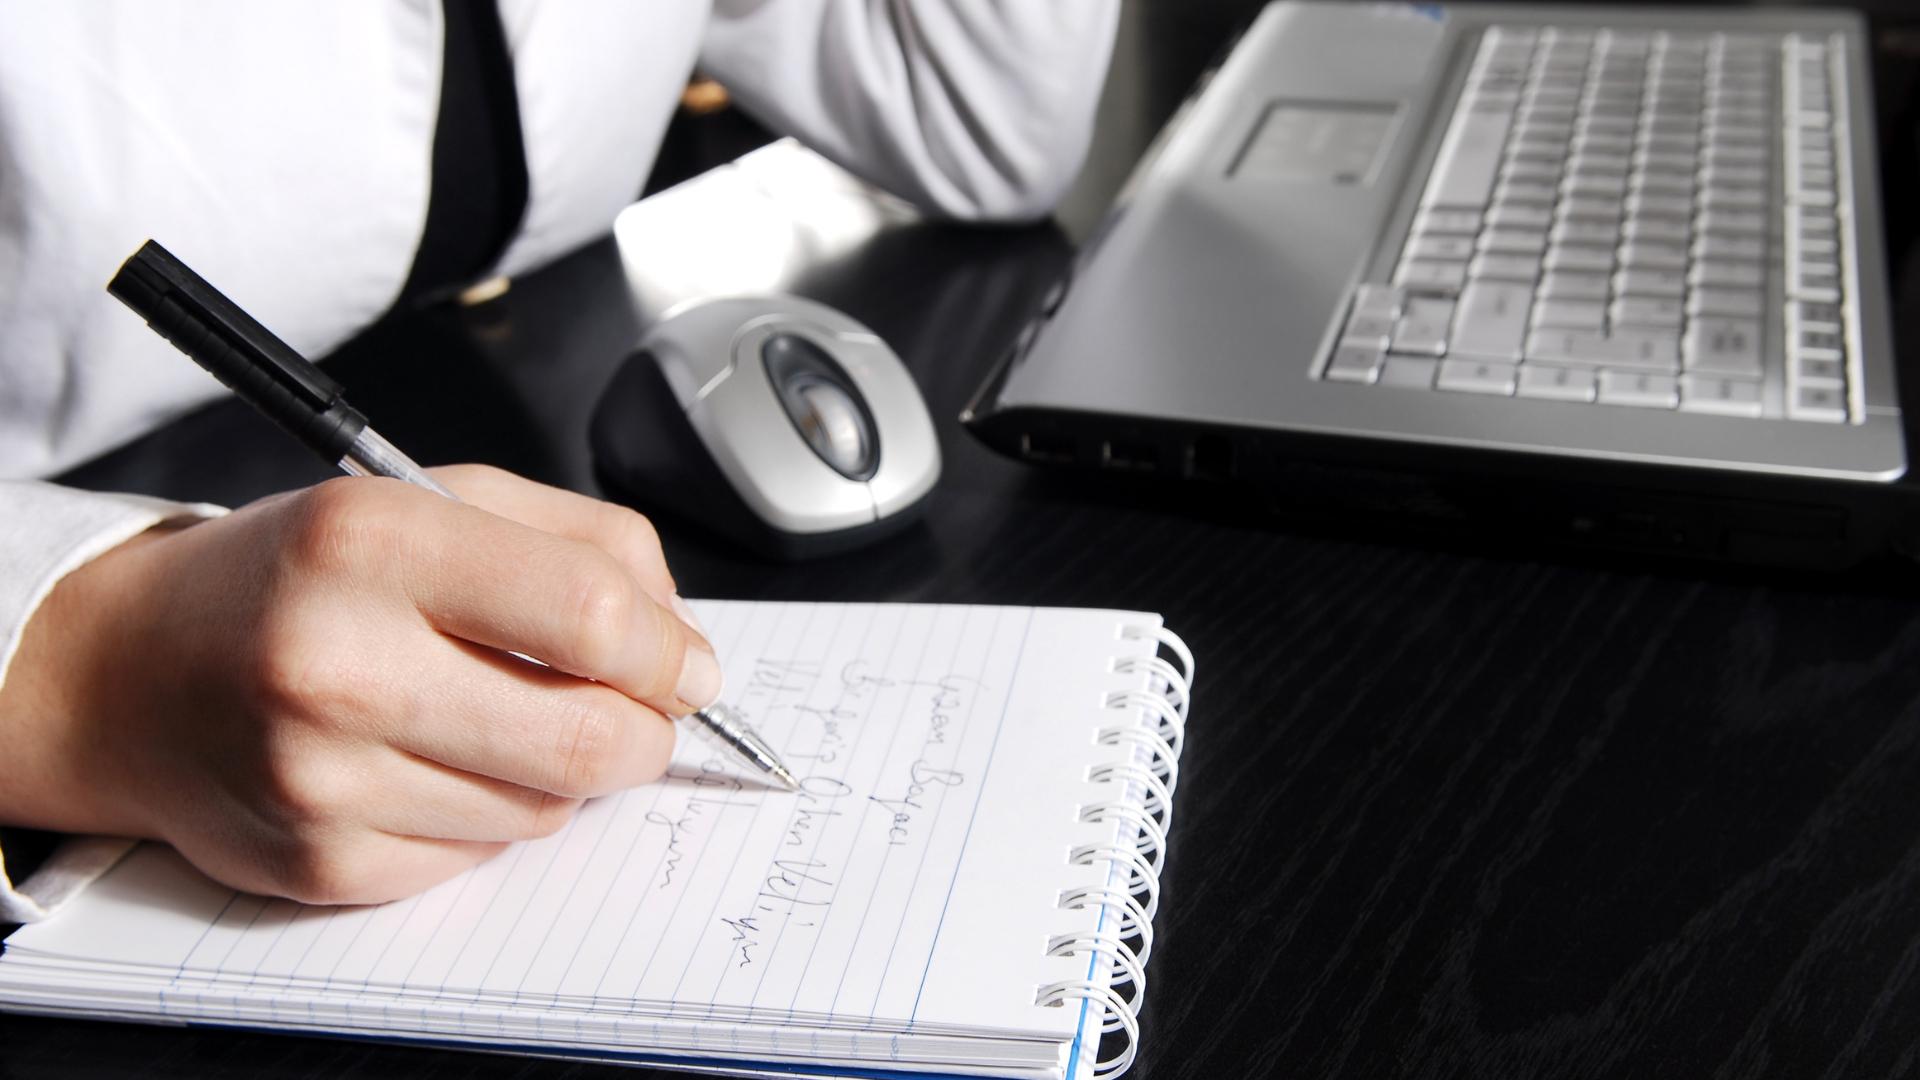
(183, 308)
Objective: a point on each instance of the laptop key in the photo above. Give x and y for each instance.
(1666, 284)
(1734, 303)
(1657, 350)
(1733, 176)
(1526, 193)
(1805, 341)
(1644, 350)
(1476, 377)
(1679, 185)
(1722, 346)
(1556, 383)
(1642, 254)
(1571, 314)
(1383, 300)
(1647, 204)
(1663, 154)
(1540, 141)
(1812, 178)
(1643, 389)
(1412, 372)
(1423, 326)
(1354, 363)
(1719, 395)
(1724, 273)
(1447, 223)
(1520, 217)
(1821, 369)
(1440, 247)
(1570, 285)
(1603, 234)
(1803, 245)
(1499, 267)
(1811, 315)
(1585, 259)
(1503, 241)
(1742, 248)
(1732, 198)
(1490, 322)
(1734, 156)
(1802, 153)
(1591, 186)
(1656, 313)
(1815, 197)
(1733, 223)
(1805, 221)
(1469, 160)
(1658, 232)
(1530, 169)
(1367, 328)
(1814, 279)
(1590, 208)
(1431, 275)
(1822, 404)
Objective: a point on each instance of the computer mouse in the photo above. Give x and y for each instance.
(773, 420)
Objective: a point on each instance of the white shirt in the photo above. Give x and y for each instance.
(283, 151)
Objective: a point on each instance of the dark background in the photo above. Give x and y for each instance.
(1443, 814)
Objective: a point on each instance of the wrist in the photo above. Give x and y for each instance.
(71, 690)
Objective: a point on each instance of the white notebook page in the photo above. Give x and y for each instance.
(912, 885)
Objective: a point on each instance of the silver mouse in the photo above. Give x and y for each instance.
(777, 421)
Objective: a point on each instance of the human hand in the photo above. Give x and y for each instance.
(313, 696)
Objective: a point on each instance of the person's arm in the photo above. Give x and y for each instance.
(315, 696)
(47, 532)
(977, 109)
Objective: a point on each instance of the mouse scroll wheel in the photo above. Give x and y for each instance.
(832, 427)
(823, 405)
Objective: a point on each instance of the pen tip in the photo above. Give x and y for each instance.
(780, 772)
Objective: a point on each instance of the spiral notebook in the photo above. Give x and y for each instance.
(964, 886)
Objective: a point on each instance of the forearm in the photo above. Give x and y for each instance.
(974, 108)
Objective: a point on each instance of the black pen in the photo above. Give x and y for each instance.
(266, 372)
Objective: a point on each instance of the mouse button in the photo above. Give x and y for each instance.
(776, 474)
(687, 380)
(691, 349)
(912, 466)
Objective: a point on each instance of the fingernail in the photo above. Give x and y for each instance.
(700, 678)
(680, 607)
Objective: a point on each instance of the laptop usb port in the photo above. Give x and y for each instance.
(1131, 456)
(1210, 457)
(1046, 449)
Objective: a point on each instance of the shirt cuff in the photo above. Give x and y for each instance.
(46, 533)
(71, 867)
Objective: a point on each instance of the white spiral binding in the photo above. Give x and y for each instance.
(1154, 729)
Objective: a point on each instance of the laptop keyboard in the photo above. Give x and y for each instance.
(1627, 219)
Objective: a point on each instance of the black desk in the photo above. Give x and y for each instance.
(1442, 815)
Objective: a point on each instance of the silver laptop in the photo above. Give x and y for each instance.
(1623, 246)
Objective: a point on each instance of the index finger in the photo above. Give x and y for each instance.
(625, 534)
(571, 605)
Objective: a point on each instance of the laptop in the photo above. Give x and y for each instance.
(1604, 275)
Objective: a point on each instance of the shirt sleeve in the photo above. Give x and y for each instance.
(47, 532)
(977, 109)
